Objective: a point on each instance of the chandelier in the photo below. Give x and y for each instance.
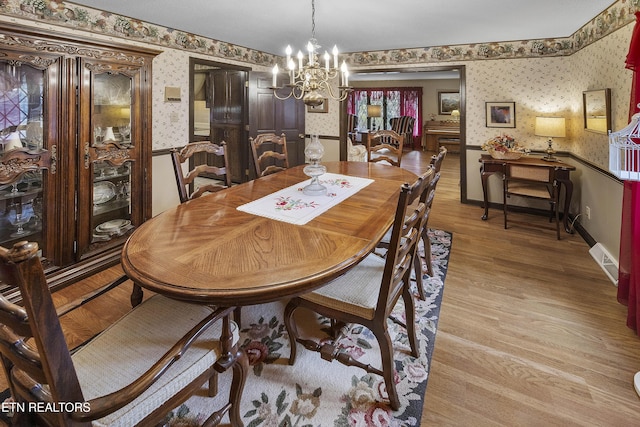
(309, 81)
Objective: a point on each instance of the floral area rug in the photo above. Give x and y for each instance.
(315, 392)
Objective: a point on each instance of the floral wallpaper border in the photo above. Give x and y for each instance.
(75, 16)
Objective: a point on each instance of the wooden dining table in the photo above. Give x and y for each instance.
(206, 251)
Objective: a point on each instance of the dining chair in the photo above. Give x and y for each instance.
(269, 153)
(367, 294)
(403, 125)
(385, 145)
(206, 176)
(533, 183)
(431, 178)
(133, 373)
(207, 185)
(436, 163)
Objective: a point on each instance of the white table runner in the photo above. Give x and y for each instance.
(293, 206)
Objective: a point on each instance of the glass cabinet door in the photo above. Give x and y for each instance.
(22, 157)
(111, 166)
(109, 171)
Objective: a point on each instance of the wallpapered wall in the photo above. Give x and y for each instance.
(601, 65)
(542, 86)
(507, 71)
(552, 86)
(541, 77)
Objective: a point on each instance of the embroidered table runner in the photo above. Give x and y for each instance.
(292, 205)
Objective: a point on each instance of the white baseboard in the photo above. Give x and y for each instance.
(606, 261)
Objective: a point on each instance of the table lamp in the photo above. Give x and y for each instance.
(455, 115)
(373, 111)
(551, 127)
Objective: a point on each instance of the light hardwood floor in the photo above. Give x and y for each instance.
(530, 332)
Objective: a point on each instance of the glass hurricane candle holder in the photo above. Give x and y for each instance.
(314, 152)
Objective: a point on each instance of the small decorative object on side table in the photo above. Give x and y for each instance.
(504, 147)
(314, 152)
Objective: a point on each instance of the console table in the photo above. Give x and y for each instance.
(489, 166)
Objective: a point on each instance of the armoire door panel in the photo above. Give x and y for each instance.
(30, 132)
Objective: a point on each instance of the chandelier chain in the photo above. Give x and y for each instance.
(313, 22)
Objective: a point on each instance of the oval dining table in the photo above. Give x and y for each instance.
(206, 251)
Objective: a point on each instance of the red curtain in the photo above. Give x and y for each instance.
(629, 262)
(410, 100)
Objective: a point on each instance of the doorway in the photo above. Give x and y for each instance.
(218, 110)
(415, 74)
(230, 103)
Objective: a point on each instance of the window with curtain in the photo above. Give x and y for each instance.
(395, 102)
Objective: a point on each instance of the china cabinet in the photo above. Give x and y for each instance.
(75, 148)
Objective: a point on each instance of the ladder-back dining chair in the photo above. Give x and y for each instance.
(431, 177)
(133, 373)
(436, 163)
(213, 178)
(531, 182)
(367, 294)
(385, 146)
(203, 177)
(269, 153)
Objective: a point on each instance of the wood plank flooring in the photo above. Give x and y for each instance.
(530, 332)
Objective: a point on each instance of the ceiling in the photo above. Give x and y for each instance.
(362, 25)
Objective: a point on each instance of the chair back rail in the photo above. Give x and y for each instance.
(385, 145)
(404, 239)
(201, 149)
(269, 153)
(49, 362)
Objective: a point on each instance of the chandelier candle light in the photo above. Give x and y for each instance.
(307, 81)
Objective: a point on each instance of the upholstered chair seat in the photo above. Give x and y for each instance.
(111, 347)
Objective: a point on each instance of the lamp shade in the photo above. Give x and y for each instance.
(550, 126)
(455, 114)
(374, 111)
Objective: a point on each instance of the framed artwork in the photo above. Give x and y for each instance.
(448, 101)
(597, 110)
(322, 108)
(501, 114)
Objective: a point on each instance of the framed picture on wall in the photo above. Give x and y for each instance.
(322, 108)
(597, 110)
(501, 114)
(448, 101)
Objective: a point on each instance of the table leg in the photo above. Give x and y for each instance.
(568, 189)
(485, 196)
